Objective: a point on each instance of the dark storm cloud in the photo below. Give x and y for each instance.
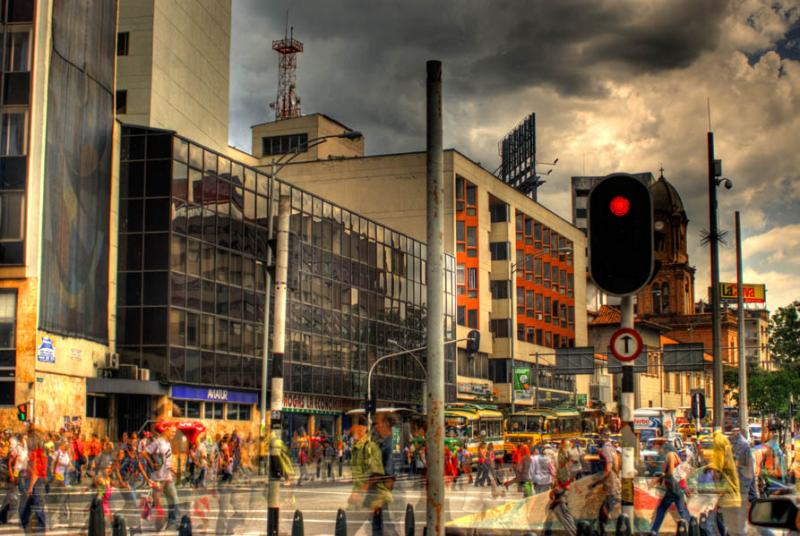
(364, 61)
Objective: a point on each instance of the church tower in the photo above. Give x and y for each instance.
(672, 289)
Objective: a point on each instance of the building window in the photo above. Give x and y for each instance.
(472, 200)
(472, 282)
(122, 101)
(123, 39)
(498, 212)
(461, 315)
(213, 410)
(97, 407)
(501, 290)
(17, 53)
(500, 251)
(665, 298)
(13, 133)
(500, 327)
(187, 409)
(580, 213)
(292, 143)
(472, 319)
(8, 346)
(238, 412)
(12, 213)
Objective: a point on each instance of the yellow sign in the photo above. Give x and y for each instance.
(752, 293)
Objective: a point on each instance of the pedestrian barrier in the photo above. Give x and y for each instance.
(584, 528)
(341, 523)
(297, 524)
(409, 522)
(623, 526)
(377, 522)
(97, 521)
(694, 527)
(185, 528)
(682, 528)
(118, 526)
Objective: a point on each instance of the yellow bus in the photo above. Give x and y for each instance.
(534, 426)
(472, 423)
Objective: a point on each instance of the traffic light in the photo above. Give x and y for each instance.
(473, 342)
(22, 412)
(620, 234)
(371, 404)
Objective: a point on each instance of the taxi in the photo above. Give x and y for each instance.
(705, 448)
(687, 430)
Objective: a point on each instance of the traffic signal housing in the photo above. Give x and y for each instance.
(620, 234)
(23, 414)
(473, 342)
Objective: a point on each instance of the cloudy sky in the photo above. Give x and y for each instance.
(615, 85)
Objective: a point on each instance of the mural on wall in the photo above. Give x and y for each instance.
(77, 177)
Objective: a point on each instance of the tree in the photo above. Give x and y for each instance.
(784, 336)
(768, 392)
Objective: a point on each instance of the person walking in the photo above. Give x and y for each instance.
(541, 471)
(36, 471)
(59, 483)
(723, 472)
(674, 492)
(522, 472)
(159, 455)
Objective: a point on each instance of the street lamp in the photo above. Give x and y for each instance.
(715, 180)
(276, 166)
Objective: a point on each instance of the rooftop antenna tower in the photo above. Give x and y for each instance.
(287, 104)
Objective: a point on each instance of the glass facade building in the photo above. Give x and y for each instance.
(191, 280)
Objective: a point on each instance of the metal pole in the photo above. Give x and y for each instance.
(626, 412)
(538, 379)
(513, 357)
(267, 297)
(715, 320)
(435, 511)
(278, 346)
(743, 416)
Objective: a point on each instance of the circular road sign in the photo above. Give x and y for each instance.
(626, 344)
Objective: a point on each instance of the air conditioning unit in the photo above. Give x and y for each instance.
(144, 375)
(106, 372)
(112, 360)
(128, 372)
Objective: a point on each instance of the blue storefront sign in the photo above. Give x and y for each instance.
(46, 353)
(213, 394)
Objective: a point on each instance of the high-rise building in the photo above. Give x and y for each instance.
(57, 107)
(516, 261)
(173, 67)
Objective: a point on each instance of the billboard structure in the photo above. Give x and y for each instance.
(752, 293)
(77, 174)
(518, 158)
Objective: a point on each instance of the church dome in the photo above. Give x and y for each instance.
(666, 197)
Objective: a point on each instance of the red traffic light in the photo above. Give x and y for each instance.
(619, 206)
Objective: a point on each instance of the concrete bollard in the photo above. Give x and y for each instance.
(97, 521)
(694, 527)
(682, 528)
(377, 522)
(185, 527)
(118, 526)
(297, 524)
(409, 523)
(341, 523)
(623, 526)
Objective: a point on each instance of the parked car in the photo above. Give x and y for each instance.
(755, 434)
(653, 460)
(705, 447)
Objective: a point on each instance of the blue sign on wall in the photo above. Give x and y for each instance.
(213, 394)
(46, 353)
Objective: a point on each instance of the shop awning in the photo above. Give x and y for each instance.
(125, 387)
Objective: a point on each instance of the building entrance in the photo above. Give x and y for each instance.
(133, 411)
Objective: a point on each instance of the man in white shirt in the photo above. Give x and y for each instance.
(159, 454)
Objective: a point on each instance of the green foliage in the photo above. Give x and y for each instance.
(784, 336)
(768, 392)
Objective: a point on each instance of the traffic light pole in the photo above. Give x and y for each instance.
(744, 418)
(715, 320)
(626, 413)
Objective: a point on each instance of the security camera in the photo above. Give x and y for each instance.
(727, 183)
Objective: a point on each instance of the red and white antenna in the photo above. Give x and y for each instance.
(287, 104)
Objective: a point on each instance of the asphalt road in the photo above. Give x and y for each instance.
(241, 508)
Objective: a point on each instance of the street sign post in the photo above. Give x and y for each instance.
(626, 344)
